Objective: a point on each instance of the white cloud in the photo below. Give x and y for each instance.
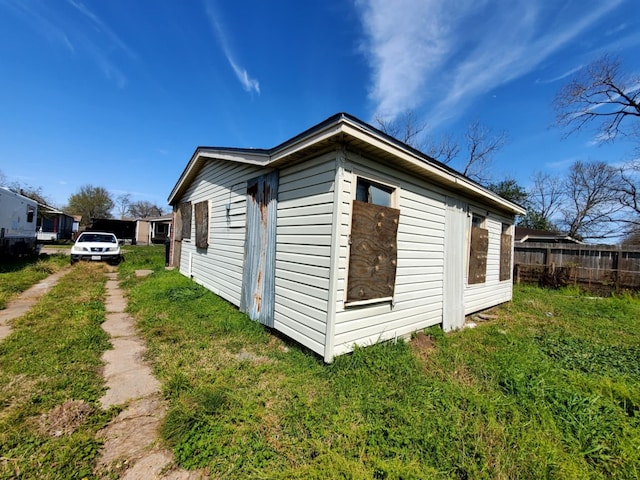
(446, 53)
(100, 26)
(562, 76)
(249, 84)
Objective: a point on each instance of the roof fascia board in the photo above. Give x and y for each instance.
(232, 155)
(286, 149)
(248, 156)
(443, 174)
(334, 126)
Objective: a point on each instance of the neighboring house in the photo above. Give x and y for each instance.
(531, 235)
(53, 224)
(342, 235)
(153, 230)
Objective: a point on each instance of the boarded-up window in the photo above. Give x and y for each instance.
(478, 251)
(177, 228)
(373, 253)
(505, 253)
(185, 216)
(202, 224)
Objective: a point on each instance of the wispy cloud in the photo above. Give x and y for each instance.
(41, 19)
(248, 83)
(83, 34)
(446, 53)
(562, 76)
(102, 28)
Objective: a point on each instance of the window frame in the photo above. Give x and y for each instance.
(181, 227)
(506, 265)
(393, 191)
(478, 238)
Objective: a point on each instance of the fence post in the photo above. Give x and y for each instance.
(616, 269)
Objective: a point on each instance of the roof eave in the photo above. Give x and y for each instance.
(343, 125)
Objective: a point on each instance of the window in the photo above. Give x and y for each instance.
(373, 243)
(505, 252)
(31, 212)
(202, 224)
(479, 246)
(161, 228)
(373, 193)
(183, 221)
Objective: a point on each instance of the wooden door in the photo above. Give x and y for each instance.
(258, 278)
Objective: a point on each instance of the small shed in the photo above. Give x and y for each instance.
(153, 230)
(342, 236)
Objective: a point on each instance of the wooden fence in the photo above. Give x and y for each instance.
(600, 267)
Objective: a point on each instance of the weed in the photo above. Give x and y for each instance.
(51, 382)
(548, 390)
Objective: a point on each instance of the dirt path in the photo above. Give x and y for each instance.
(131, 448)
(27, 299)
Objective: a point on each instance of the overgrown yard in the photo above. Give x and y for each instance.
(50, 378)
(18, 275)
(549, 389)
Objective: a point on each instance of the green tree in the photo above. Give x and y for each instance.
(91, 202)
(509, 189)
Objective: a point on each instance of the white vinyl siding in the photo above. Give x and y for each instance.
(417, 300)
(492, 292)
(219, 268)
(303, 251)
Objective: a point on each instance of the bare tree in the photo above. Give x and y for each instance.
(544, 199)
(445, 149)
(600, 94)
(122, 203)
(34, 193)
(481, 143)
(591, 207)
(629, 193)
(406, 128)
(546, 195)
(144, 209)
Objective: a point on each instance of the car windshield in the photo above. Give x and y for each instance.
(96, 237)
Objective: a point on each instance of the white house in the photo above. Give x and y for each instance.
(342, 235)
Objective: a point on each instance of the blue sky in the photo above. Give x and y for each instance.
(119, 93)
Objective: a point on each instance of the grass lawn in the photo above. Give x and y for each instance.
(50, 376)
(550, 389)
(17, 275)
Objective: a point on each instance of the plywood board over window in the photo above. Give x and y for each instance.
(506, 240)
(202, 224)
(478, 255)
(373, 254)
(185, 215)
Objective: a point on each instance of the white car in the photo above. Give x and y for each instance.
(96, 247)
